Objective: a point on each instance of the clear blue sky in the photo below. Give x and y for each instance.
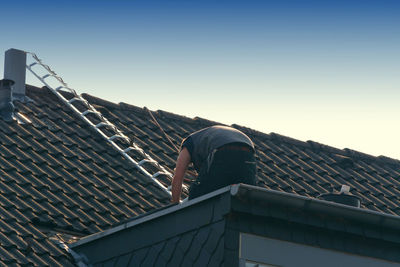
(326, 71)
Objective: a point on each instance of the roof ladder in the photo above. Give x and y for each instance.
(101, 126)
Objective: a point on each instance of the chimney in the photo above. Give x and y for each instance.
(343, 197)
(15, 70)
(6, 105)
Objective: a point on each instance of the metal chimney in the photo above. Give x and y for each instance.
(343, 197)
(6, 105)
(15, 70)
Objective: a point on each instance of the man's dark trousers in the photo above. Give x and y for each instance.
(227, 167)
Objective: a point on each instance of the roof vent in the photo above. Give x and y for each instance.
(6, 105)
(343, 197)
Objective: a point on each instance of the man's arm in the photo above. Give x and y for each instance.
(181, 165)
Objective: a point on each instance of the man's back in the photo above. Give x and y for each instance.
(201, 143)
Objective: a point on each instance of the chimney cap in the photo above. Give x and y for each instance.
(6, 82)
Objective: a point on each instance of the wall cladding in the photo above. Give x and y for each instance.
(203, 246)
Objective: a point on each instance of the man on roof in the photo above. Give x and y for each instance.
(221, 156)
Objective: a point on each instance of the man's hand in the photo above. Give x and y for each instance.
(181, 165)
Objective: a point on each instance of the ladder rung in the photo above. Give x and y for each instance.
(115, 136)
(133, 148)
(89, 112)
(143, 161)
(137, 148)
(33, 64)
(160, 173)
(103, 124)
(60, 87)
(46, 76)
(126, 150)
(72, 100)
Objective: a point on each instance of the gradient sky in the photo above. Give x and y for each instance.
(326, 71)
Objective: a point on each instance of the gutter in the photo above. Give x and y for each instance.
(255, 193)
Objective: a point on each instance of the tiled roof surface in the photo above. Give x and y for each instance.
(284, 164)
(59, 178)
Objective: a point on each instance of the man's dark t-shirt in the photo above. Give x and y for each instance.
(201, 143)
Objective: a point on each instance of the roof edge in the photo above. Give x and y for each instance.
(148, 217)
(258, 193)
(316, 205)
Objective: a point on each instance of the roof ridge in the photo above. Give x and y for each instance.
(316, 146)
(99, 101)
(289, 140)
(206, 121)
(273, 136)
(173, 116)
(31, 90)
(354, 154)
(168, 115)
(44, 90)
(313, 145)
(252, 131)
(389, 160)
(34, 89)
